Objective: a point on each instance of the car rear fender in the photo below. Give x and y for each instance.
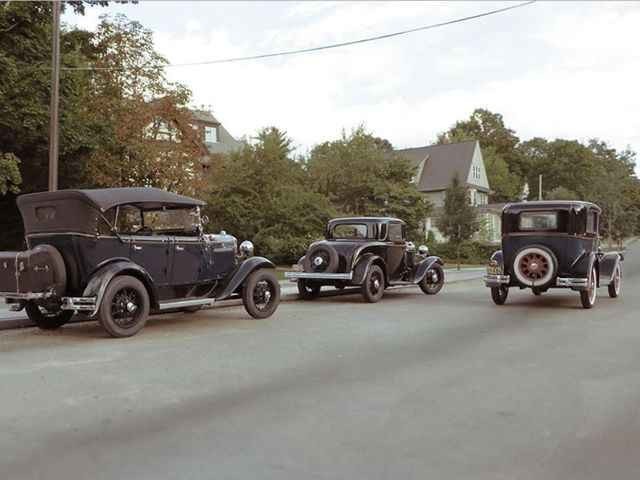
(364, 264)
(423, 267)
(244, 270)
(97, 285)
(607, 265)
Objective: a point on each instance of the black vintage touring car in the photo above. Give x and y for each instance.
(370, 252)
(118, 254)
(553, 244)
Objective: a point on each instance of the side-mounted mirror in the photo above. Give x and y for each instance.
(423, 250)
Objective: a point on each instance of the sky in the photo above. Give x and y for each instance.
(552, 69)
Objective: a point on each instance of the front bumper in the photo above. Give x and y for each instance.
(575, 283)
(494, 280)
(295, 276)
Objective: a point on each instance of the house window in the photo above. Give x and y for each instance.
(211, 134)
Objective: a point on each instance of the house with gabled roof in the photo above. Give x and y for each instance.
(437, 165)
(215, 136)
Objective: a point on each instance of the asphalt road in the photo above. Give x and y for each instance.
(415, 387)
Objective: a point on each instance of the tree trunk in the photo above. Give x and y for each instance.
(458, 254)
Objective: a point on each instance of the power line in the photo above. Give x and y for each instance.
(326, 47)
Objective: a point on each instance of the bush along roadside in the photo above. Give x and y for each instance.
(474, 253)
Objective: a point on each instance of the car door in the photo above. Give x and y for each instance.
(153, 253)
(395, 250)
(188, 257)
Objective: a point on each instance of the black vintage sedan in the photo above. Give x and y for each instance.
(119, 254)
(553, 244)
(369, 252)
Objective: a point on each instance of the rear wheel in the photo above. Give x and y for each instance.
(308, 291)
(499, 294)
(588, 296)
(616, 284)
(261, 293)
(125, 307)
(433, 281)
(373, 286)
(45, 319)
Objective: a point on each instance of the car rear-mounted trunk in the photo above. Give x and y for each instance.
(35, 271)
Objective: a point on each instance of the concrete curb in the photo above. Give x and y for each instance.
(22, 322)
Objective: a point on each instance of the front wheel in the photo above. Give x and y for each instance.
(373, 286)
(499, 294)
(125, 307)
(306, 290)
(616, 284)
(588, 296)
(261, 293)
(46, 320)
(433, 281)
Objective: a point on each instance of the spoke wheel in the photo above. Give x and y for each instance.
(374, 284)
(46, 319)
(588, 296)
(261, 293)
(433, 281)
(125, 307)
(499, 294)
(308, 291)
(534, 266)
(616, 284)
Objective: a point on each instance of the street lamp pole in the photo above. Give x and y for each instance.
(55, 93)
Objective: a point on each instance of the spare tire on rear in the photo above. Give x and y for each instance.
(535, 266)
(321, 258)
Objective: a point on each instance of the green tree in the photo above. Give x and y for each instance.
(10, 178)
(361, 175)
(261, 193)
(502, 159)
(148, 139)
(458, 220)
(561, 193)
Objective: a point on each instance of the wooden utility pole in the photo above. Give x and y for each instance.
(539, 187)
(55, 93)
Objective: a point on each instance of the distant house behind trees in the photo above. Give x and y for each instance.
(437, 165)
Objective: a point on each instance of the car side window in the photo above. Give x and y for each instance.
(129, 219)
(106, 221)
(395, 232)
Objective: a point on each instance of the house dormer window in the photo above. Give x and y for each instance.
(210, 134)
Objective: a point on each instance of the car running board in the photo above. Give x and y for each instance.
(196, 302)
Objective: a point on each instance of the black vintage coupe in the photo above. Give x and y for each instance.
(369, 252)
(118, 254)
(553, 244)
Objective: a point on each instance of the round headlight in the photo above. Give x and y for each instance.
(246, 248)
(423, 250)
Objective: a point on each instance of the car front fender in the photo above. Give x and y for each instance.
(423, 267)
(100, 279)
(240, 275)
(608, 264)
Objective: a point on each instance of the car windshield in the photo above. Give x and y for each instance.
(538, 221)
(350, 231)
(182, 221)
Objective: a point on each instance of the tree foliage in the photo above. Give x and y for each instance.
(458, 220)
(361, 175)
(498, 143)
(148, 138)
(10, 178)
(261, 193)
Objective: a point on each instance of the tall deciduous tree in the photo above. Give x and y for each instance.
(458, 220)
(261, 193)
(361, 175)
(148, 138)
(503, 161)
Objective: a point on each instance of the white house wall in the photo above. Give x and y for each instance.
(478, 162)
